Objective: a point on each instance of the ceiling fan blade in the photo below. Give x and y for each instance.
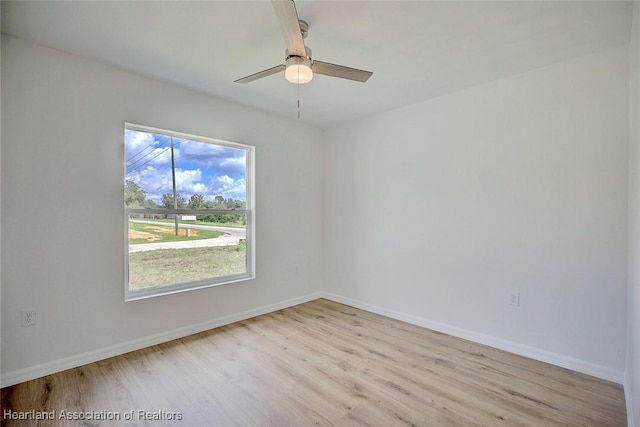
(288, 19)
(340, 71)
(261, 74)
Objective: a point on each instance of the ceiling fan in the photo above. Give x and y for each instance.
(299, 67)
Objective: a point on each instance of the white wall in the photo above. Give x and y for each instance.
(62, 218)
(632, 383)
(436, 211)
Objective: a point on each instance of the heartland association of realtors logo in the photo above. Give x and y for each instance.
(139, 415)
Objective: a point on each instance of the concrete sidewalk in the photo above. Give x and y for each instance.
(231, 237)
(224, 240)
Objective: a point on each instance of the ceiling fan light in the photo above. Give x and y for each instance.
(298, 70)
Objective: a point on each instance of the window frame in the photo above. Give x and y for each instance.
(249, 212)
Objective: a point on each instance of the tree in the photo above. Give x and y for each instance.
(196, 201)
(134, 196)
(168, 201)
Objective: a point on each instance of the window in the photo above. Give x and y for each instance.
(188, 208)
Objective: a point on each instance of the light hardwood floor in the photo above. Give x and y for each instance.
(321, 363)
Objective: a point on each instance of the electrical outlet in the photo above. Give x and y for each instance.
(514, 298)
(28, 318)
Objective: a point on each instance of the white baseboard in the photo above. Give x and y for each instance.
(48, 368)
(568, 362)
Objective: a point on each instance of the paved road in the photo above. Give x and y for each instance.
(231, 237)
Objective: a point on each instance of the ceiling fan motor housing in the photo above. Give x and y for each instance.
(308, 55)
(304, 28)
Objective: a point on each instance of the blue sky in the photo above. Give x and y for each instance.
(202, 168)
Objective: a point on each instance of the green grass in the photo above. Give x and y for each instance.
(155, 233)
(167, 266)
(213, 224)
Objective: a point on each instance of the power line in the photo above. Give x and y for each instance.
(139, 166)
(133, 163)
(156, 139)
(141, 151)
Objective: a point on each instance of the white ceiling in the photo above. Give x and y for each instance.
(416, 49)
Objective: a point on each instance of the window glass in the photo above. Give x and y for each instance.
(188, 210)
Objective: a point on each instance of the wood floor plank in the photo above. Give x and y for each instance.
(325, 364)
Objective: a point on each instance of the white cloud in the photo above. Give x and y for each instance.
(234, 164)
(154, 181)
(143, 149)
(225, 180)
(228, 187)
(186, 179)
(137, 140)
(199, 188)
